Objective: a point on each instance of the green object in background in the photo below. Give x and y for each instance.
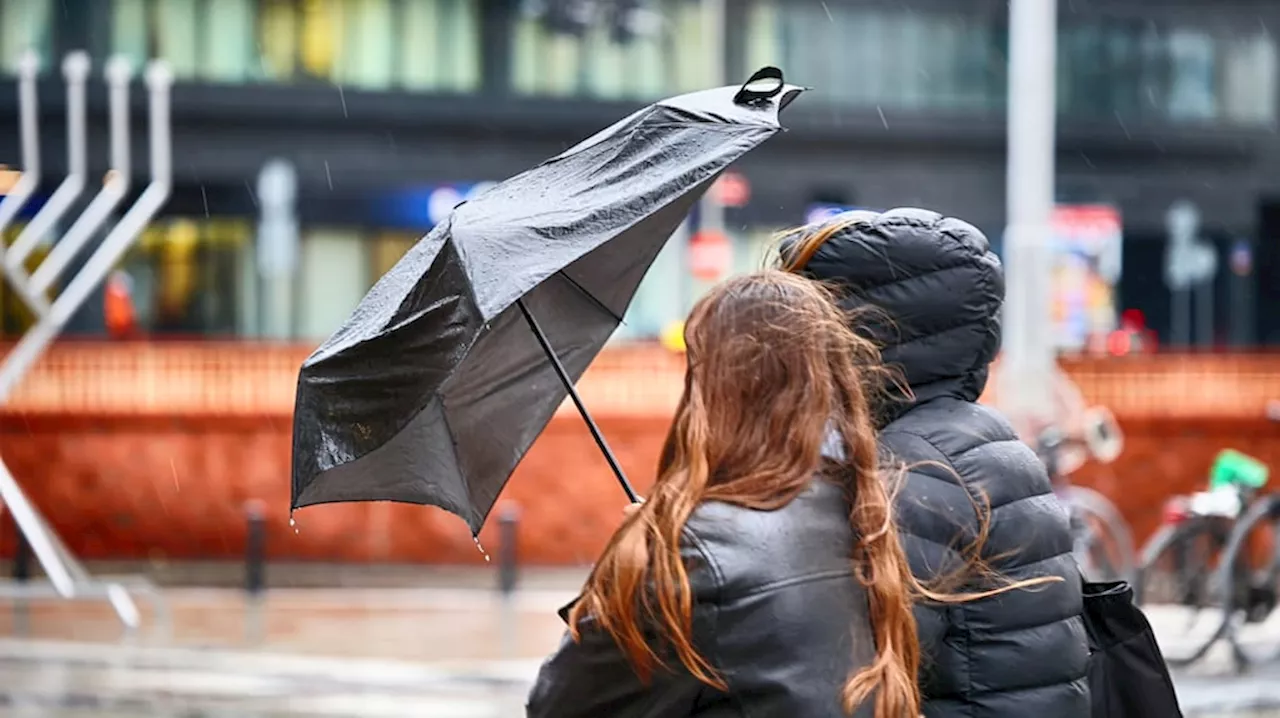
(1233, 468)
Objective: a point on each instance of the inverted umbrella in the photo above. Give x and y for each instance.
(436, 386)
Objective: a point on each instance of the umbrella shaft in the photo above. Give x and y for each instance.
(577, 401)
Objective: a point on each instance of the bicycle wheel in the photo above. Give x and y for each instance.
(1251, 567)
(1176, 588)
(1104, 544)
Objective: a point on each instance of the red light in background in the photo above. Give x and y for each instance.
(1175, 510)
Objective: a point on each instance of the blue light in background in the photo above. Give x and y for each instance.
(423, 207)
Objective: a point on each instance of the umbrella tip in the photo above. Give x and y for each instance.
(763, 85)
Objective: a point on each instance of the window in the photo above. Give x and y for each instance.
(1141, 70)
(24, 25)
(883, 56)
(15, 317)
(637, 50)
(375, 44)
(187, 277)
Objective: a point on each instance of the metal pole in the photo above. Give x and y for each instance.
(75, 68)
(711, 209)
(1204, 307)
(29, 129)
(550, 351)
(1028, 362)
(1181, 330)
(255, 574)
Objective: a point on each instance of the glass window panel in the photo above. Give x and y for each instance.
(320, 37)
(942, 48)
(367, 53)
(645, 61)
(1154, 83)
(177, 36)
(1125, 67)
(460, 44)
(130, 30)
(607, 71)
(186, 277)
(563, 64)
(229, 52)
(15, 317)
(1192, 94)
(419, 66)
(334, 276)
(278, 29)
(691, 58)
(763, 45)
(1249, 83)
(526, 51)
(25, 25)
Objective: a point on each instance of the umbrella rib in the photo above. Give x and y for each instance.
(577, 400)
(594, 299)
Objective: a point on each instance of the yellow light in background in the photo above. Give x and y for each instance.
(8, 178)
(672, 337)
(320, 23)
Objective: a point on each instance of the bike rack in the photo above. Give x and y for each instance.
(66, 576)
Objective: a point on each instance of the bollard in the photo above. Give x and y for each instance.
(508, 577)
(255, 573)
(22, 574)
(255, 576)
(508, 549)
(22, 559)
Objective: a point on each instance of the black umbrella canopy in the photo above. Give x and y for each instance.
(436, 386)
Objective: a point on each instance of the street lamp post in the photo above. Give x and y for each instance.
(1028, 362)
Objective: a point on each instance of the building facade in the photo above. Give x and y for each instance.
(389, 111)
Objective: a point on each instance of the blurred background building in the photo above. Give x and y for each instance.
(316, 140)
(391, 111)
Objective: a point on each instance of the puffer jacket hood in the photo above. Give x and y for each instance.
(938, 289)
(936, 284)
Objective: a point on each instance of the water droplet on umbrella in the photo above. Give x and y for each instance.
(481, 548)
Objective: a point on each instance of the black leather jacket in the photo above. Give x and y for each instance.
(938, 290)
(777, 610)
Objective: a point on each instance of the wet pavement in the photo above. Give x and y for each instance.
(443, 649)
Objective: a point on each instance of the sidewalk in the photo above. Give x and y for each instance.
(431, 652)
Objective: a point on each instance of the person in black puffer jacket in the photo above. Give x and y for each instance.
(933, 290)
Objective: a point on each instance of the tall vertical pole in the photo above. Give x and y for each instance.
(711, 210)
(1028, 363)
(710, 215)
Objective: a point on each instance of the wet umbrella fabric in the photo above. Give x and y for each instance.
(435, 387)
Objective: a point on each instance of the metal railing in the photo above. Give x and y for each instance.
(253, 378)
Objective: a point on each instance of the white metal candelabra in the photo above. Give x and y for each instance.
(66, 576)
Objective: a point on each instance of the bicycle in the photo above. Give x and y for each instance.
(1250, 604)
(1102, 541)
(1187, 564)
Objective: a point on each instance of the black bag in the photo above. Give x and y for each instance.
(1128, 677)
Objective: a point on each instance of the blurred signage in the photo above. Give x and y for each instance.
(710, 255)
(425, 207)
(1087, 243)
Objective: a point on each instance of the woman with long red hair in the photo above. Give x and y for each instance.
(763, 575)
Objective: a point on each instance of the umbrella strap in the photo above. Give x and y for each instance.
(577, 401)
